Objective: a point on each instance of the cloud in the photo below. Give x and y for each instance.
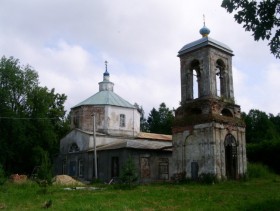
(68, 41)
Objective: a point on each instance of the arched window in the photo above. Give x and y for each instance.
(122, 120)
(195, 72)
(74, 148)
(226, 112)
(220, 69)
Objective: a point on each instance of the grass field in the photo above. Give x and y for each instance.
(253, 194)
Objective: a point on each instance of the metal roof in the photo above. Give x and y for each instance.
(136, 144)
(105, 98)
(202, 42)
(154, 136)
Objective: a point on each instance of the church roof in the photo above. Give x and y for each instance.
(202, 42)
(105, 98)
(136, 144)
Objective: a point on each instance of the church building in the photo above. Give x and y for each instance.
(208, 132)
(105, 133)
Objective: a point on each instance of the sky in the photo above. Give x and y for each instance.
(68, 41)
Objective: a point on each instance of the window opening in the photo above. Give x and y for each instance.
(218, 82)
(115, 167)
(74, 148)
(81, 168)
(164, 169)
(195, 85)
(145, 167)
(64, 167)
(72, 168)
(122, 120)
(226, 112)
(195, 74)
(219, 77)
(194, 170)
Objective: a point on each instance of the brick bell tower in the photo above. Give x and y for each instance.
(208, 132)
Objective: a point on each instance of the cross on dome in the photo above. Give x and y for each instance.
(204, 31)
(106, 72)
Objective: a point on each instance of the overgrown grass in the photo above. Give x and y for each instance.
(256, 193)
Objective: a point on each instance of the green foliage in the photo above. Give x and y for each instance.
(30, 116)
(129, 173)
(258, 170)
(266, 152)
(207, 178)
(263, 138)
(3, 177)
(161, 120)
(45, 169)
(260, 17)
(259, 127)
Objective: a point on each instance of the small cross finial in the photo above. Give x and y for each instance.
(203, 19)
(106, 63)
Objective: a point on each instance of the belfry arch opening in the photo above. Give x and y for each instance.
(195, 73)
(231, 157)
(220, 74)
(226, 112)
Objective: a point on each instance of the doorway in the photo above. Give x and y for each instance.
(231, 157)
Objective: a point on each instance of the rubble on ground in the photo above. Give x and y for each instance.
(66, 180)
(18, 178)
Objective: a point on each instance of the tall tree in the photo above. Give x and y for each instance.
(259, 127)
(260, 17)
(161, 120)
(263, 138)
(32, 118)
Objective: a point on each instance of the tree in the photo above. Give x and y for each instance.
(260, 17)
(30, 117)
(143, 120)
(259, 127)
(129, 172)
(161, 120)
(263, 138)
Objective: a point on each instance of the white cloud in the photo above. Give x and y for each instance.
(68, 41)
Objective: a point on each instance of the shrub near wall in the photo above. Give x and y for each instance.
(266, 152)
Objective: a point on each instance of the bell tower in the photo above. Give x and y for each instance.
(208, 132)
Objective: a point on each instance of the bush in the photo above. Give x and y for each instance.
(3, 177)
(45, 169)
(129, 173)
(207, 178)
(257, 170)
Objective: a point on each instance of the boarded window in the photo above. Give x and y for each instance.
(64, 167)
(163, 169)
(72, 168)
(81, 168)
(115, 167)
(145, 167)
(122, 120)
(194, 170)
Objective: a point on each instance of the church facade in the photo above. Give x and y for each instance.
(208, 132)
